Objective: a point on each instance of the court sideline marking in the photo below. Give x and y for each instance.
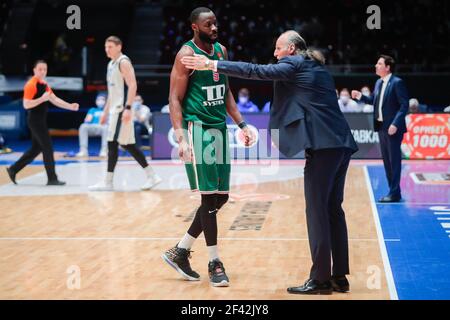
(381, 240)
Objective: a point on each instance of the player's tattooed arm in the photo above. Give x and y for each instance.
(234, 112)
(179, 79)
(232, 108)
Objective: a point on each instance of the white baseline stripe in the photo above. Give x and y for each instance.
(160, 239)
(381, 240)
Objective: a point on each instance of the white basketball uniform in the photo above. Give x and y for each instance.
(118, 131)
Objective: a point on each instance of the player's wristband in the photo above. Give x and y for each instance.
(128, 107)
(242, 125)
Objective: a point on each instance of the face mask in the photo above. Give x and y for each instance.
(366, 93)
(345, 99)
(243, 100)
(136, 104)
(100, 103)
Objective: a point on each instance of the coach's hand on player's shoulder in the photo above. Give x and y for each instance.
(126, 116)
(197, 62)
(184, 152)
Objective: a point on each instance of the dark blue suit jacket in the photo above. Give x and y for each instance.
(395, 104)
(304, 107)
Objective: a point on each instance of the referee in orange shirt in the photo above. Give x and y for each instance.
(37, 94)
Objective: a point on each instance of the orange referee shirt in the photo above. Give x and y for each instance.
(34, 88)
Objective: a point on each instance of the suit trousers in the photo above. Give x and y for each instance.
(324, 178)
(392, 160)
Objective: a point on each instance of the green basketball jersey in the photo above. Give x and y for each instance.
(206, 92)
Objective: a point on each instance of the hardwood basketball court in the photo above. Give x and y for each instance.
(84, 245)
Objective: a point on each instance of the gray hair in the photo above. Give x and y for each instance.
(293, 37)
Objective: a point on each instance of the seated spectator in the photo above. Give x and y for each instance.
(244, 104)
(3, 148)
(447, 110)
(416, 107)
(366, 108)
(266, 108)
(142, 115)
(92, 128)
(165, 109)
(346, 104)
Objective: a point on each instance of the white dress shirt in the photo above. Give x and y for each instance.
(383, 89)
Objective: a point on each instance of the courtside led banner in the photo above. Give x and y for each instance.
(428, 136)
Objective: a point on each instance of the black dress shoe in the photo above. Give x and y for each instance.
(312, 286)
(55, 183)
(12, 175)
(340, 284)
(388, 199)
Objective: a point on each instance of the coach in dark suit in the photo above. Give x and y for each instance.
(391, 102)
(305, 110)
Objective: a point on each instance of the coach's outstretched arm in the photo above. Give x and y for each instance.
(358, 96)
(283, 70)
(179, 79)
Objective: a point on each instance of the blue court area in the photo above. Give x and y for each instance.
(420, 256)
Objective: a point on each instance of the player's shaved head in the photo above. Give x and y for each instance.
(195, 14)
(204, 25)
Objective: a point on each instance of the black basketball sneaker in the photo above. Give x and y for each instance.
(178, 258)
(217, 275)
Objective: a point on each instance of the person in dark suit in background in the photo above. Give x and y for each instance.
(390, 100)
(306, 113)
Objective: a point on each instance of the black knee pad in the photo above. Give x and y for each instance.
(209, 203)
(221, 200)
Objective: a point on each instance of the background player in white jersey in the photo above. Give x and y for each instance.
(120, 127)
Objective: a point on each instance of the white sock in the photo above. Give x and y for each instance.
(213, 254)
(109, 177)
(186, 242)
(149, 171)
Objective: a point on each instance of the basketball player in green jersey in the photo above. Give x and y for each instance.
(199, 102)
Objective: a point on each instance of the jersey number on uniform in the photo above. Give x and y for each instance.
(216, 76)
